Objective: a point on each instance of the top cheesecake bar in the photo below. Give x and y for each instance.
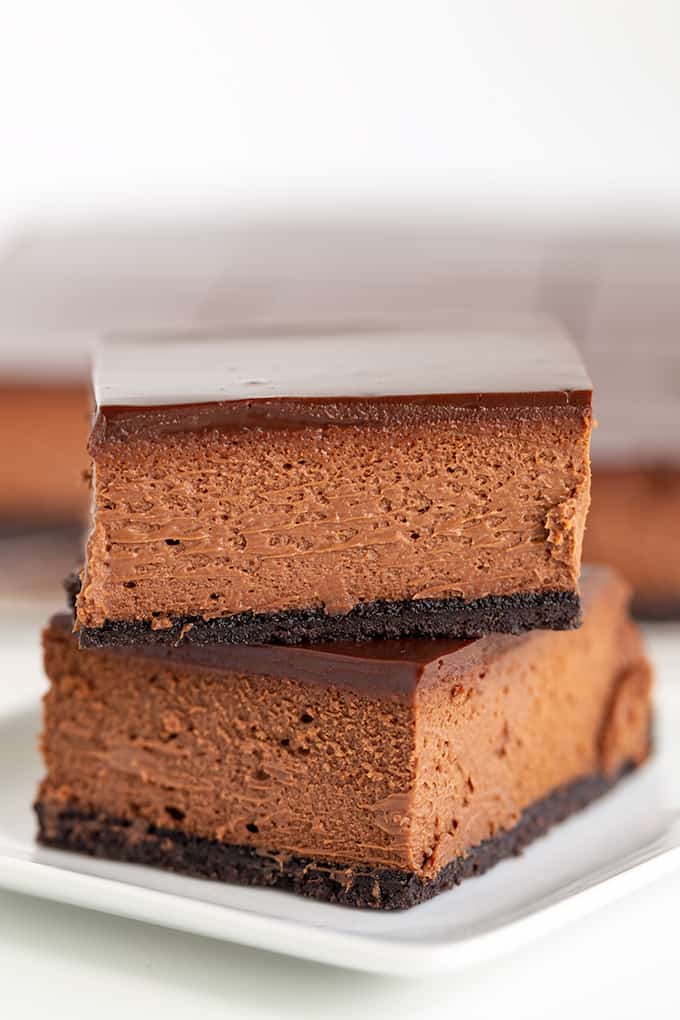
(281, 489)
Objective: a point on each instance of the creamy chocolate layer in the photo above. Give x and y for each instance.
(396, 755)
(201, 524)
(328, 503)
(633, 525)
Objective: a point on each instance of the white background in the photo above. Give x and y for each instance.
(125, 107)
(555, 105)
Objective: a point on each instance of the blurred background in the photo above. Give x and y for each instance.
(232, 165)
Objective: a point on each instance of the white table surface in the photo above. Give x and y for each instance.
(63, 961)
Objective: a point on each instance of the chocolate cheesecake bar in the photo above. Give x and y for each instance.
(372, 775)
(349, 487)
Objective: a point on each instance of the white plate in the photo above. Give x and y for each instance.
(618, 844)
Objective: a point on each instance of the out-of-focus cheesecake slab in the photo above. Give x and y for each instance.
(42, 468)
(633, 526)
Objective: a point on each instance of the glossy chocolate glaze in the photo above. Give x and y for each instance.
(149, 385)
(127, 421)
(379, 667)
(469, 359)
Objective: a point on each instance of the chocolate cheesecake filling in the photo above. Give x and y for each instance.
(205, 524)
(393, 757)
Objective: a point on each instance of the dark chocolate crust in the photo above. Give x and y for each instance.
(349, 885)
(420, 618)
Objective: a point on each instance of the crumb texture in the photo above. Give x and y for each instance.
(424, 618)
(348, 885)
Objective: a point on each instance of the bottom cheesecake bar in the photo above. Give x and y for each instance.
(372, 775)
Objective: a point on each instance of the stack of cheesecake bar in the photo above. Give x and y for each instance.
(330, 634)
